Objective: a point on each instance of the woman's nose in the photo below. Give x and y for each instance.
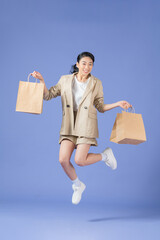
(86, 67)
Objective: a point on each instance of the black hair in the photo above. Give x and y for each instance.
(74, 68)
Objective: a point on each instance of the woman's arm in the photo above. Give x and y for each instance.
(122, 104)
(52, 92)
(41, 79)
(99, 102)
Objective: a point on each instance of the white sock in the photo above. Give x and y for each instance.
(76, 182)
(103, 156)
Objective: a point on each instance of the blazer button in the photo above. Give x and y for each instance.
(85, 107)
(68, 105)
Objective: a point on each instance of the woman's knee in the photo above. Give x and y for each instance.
(79, 161)
(64, 160)
(65, 152)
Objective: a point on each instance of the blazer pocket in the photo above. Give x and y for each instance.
(92, 115)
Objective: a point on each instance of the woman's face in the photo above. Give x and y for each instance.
(85, 66)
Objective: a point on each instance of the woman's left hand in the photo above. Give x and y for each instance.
(124, 104)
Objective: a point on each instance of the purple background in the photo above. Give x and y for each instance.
(47, 36)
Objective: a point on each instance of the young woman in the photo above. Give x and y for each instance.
(81, 94)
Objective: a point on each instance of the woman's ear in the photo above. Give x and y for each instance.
(77, 64)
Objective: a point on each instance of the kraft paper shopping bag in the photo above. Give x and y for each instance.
(128, 128)
(30, 97)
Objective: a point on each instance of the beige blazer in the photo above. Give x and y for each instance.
(86, 120)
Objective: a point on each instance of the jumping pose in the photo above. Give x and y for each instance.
(81, 94)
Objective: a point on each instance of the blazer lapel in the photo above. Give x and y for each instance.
(69, 89)
(89, 88)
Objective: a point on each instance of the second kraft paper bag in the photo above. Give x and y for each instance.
(30, 97)
(128, 128)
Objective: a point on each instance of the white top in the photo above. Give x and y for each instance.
(78, 89)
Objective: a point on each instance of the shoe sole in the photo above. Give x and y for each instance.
(111, 155)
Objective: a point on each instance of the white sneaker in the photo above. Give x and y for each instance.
(110, 159)
(76, 197)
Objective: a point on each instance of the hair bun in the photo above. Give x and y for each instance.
(74, 69)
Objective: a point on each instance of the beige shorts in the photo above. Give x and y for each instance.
(78, 139)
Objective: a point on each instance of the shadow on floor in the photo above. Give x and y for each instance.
(134, 216)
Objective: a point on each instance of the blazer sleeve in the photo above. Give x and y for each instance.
(54, 91)
(99, 99)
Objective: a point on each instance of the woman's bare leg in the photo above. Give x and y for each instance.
(83, 158)
(65, 152)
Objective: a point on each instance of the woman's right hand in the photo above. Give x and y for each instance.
(38, 76)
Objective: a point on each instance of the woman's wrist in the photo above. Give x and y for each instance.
(117, 104)
(42, 80)
(107, 107)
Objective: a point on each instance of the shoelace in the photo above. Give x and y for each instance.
(76, 188)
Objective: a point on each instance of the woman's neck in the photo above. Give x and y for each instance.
(81, 77)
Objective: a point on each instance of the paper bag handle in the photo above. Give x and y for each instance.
(29, 76)
(132, 109)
